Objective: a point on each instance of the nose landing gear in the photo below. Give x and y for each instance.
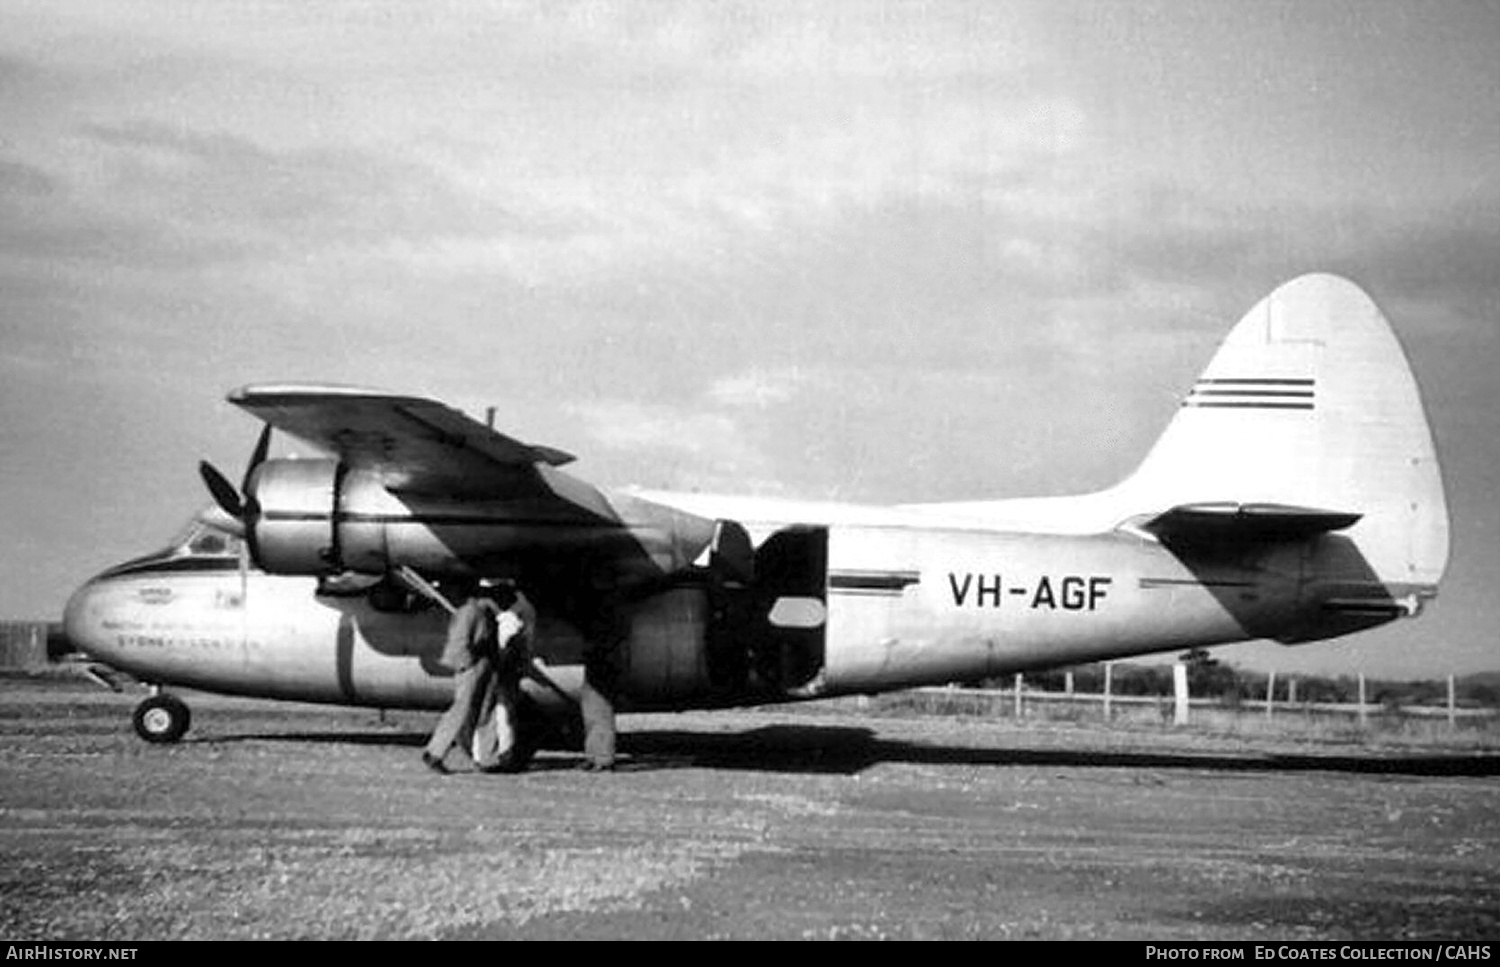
(162, 718)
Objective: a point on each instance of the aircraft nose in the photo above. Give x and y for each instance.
(82, 622)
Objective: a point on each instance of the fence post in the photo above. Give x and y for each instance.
(1108, 669)
(1363, 717)
(1291, 691)
(1068, 683)
(1452, 706)
(1270, 692)
(1179, 694)
(1018, 694)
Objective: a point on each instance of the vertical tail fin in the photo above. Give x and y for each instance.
(1310, 403)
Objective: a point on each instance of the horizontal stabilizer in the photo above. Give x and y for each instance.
(1229, 521)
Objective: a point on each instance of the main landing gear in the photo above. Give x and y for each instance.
(162, 718)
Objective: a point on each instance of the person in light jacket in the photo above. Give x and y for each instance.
(472, 651)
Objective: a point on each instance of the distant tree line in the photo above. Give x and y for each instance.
(1211, 678)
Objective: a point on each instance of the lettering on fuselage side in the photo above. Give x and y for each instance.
(154, 595)
(175, 642)
(1067, 592)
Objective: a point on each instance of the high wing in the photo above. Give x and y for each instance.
(414, 445)
(417, 483)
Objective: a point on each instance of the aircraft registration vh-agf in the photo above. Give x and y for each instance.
(1295, 495)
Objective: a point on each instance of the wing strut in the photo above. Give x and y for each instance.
(421, 585)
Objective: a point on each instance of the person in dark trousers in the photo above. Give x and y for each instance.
(596, 699)
(471, 650)
(495, 747)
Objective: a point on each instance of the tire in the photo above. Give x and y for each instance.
(161, 719)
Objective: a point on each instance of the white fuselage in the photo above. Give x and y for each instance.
(913, 596)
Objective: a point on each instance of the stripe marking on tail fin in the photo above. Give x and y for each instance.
(1253, 393)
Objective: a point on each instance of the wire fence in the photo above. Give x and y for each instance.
(1360, 721)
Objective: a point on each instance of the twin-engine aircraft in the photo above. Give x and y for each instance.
(1295, 495)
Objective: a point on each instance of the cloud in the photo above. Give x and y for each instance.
(758, 389)
(677, 447)
(721, 438)
(218, 183)
(687, 131)
(19, 178)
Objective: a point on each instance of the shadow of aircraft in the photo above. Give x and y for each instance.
(849, 750)
(844, 750)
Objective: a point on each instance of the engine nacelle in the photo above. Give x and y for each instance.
(318, 517)
(291, 524)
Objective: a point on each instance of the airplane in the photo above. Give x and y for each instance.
(1295, 495)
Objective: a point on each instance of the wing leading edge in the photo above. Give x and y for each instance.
(494, 498)
(414, 445)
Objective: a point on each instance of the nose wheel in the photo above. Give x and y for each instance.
(161, 718)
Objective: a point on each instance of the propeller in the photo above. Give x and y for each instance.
(235, 502)
(224, 492)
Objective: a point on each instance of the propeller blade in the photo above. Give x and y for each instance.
(222, 490)
(257, 457)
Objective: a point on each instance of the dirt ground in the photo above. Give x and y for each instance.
(291, 821)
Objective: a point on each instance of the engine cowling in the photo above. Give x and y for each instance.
(292, 527)
(319, 517)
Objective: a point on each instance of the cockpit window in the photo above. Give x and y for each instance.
(196, 542)
(198, 539)
(210, 544)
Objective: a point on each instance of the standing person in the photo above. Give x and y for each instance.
(596, 699)
(471, 651)
(495, 744)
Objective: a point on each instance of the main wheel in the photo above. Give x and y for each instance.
(161, 718)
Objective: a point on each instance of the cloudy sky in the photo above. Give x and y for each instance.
(862, 251)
